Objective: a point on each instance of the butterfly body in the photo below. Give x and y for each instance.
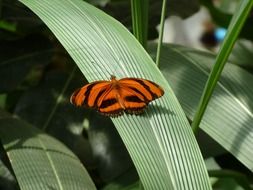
(114, 97)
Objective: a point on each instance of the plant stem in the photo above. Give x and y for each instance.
(160, 41)
(58, 100)
(139, 10)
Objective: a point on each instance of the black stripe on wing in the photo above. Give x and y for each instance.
(133, 99)
(149, 89)
(99, 96)
(134, 105)
(138, 92)
(141, 82)
(87, 93)
(108, 102)
(111, 107)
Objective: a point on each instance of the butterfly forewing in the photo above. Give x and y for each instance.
(146, 88)
(89, 94)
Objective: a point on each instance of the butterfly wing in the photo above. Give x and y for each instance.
(134, 103)
(133, 95)
(110, 104)
(89, 94)
(144, 88)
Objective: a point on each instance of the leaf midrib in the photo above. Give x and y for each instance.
(51, 164)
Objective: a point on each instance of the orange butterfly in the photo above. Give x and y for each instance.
(114, 97)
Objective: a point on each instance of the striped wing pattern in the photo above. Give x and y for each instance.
(89, 94)
(114, 97)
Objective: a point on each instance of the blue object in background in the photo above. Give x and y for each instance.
(220, 33)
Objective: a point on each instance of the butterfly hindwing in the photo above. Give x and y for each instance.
(134, 102)
(110, 104)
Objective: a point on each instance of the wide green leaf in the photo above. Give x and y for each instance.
(160, 142)
(228, 119)
(242, 53)
(38, 160)
(36, 105)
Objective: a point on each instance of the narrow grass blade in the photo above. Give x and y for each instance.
(140, 20)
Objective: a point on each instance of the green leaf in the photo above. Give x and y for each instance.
(117, 186)
(237, 176)
(228, 119)
(40, 161)
(2, 100)
(140, 20)
(7, 26)
(7, 180)
(233, 31)
(66, 124)
(242, 54)
(160, 142)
